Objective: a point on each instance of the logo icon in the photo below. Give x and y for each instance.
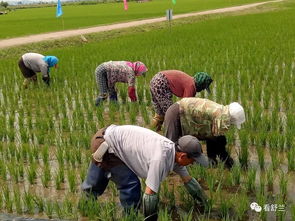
(255, 206)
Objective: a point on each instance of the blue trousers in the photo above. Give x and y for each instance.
(125, 179)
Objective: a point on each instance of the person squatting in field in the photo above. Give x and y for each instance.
(206, 120)
(167, 83)
(109, 73)
(30, 63)
(124, 153)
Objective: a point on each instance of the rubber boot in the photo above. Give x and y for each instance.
(157, 122)
(113, 97)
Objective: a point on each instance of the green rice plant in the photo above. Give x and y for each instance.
(8, 202)
(113, 108)
(250, 182)
(123, 94)
(60, 156)
(46, 176)
(49, 208)
(291, 159)
(3, 171)
(244, 155)
(241, 202)
(261, 188)
(270, 178)
(58, 208)
(68, 206)
(293, 212)
(235, 175)
(28, 200)
(283, 185)
(32, 173)
(140, 94)
(164, 215)
(132, 113)
(13, 171)
(261, 198)
(168, 195)
(21, 169)
(145, 114)
(185, 199)
(45, 154)
(260, 153)
(187, 216)
(148, 97)
(211, 184)
(225, 206)
(71, 175)
(40, 204)
(281, 208)
(274, 158)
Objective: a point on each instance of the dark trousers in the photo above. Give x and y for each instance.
(27, 73)
(125, 179)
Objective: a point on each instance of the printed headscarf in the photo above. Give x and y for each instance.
(51, 60)
(203, 81)
(138, 67)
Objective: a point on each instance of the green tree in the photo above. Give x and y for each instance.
(4, 4)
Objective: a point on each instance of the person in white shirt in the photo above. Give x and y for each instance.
(30, 63)
(146, 154)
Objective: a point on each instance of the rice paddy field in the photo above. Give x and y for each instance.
(22, 22)
(45, 132)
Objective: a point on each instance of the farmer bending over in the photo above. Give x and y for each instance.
(109, 73)
(30, 63)
(166, 83)
(124, 153)
(205, 120)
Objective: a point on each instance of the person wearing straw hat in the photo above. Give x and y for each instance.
(167, 83)
(109, 73)
(124, 153)
(30, 63)
(206, 120)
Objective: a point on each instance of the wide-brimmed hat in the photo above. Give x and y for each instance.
(191, 145)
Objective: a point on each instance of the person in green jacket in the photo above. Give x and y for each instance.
(206, 120)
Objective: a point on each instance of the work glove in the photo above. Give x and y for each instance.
(132, 94)
(46, 79)
(196, 191)
(157, 122)
(150, 207)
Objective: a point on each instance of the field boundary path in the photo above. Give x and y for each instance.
(70, 33)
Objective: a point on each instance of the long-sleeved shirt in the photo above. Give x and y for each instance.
(180, 83)
(148, 154)
(36, 63)
(119, 71)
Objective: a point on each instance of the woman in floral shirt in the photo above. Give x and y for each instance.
(109, 73)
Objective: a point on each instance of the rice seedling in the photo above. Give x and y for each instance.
(270, 178)
(235, 175)
(32, 173)
(71, 175)
(28, 200)
(261, 198)
(13, 171)
(45, 154)
(274, 158)
(241, 202)
(17, 200)
(244, 155)
(187, 216)
(3, 171)
(49, 208)
(291, 159)
(283, 185)
(8, 202)
(250, 182)
(40, 204)
(293, 212)
(46, 176)
(225, 206)
(164, 214)
(58, 208)
(260, 153)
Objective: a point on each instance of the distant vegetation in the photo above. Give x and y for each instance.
(40, 20)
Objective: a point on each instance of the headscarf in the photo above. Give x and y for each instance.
(138, 67)
(203, 81)
(51, 60)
